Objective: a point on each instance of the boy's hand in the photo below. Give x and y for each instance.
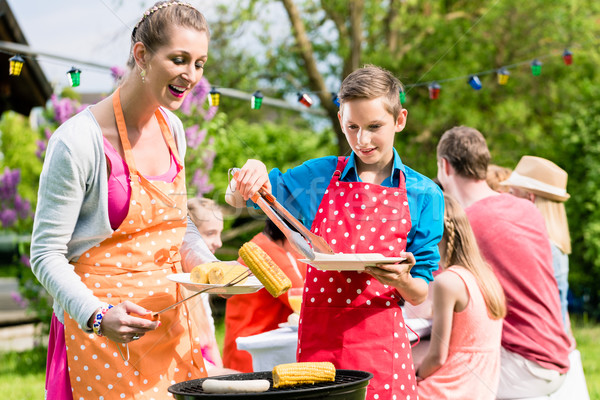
(394, 274)
(413, 290)
(252, 176)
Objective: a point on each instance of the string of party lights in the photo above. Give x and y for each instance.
(257, 99)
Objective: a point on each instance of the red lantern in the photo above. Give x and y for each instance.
(305, 99)
(434, 90)
(568, 57)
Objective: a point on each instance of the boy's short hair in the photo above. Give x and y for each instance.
(371, 82)
(466, 150)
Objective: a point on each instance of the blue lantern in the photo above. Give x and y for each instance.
(475, 82)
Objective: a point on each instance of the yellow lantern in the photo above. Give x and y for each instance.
(503, 76)
(15, 65)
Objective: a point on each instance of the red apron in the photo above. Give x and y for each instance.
(349, 318)
(133, 265)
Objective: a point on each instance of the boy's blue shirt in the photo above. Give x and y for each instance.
(301, 189)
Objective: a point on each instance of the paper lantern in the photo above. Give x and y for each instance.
(568, 57)
(402, 96)
(335, 99)
(256, 101)
(74, 76)
(214, 97)
(475, 82)
(305, 99)
(536, 67)
(434, 90)
(15, 65)
(503, 75)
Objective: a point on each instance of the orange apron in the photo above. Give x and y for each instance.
(133, 265)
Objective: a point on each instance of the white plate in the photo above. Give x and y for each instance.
(251, 285)
(350, 262)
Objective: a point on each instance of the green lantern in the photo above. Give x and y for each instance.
(15, 65)
(74, 76)
(536, 67)
(256, 101)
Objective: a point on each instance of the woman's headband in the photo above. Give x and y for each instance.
(152, 10)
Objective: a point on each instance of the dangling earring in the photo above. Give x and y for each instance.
(143, 75)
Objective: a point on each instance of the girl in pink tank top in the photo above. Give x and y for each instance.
(463, 360)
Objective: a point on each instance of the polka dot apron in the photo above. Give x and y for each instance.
(348, 317)
(133, 265)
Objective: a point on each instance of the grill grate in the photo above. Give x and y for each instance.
(344, 380)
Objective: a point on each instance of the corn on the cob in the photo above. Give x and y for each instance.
(199, 273)
(225, 273)
(303, 372)
(265, 269)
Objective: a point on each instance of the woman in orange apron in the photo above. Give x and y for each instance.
(111, 278)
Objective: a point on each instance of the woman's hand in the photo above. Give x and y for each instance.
(119, 325)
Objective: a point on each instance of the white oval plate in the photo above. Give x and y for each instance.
(251, 285)
(350, 262)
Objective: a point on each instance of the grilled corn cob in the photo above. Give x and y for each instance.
(225, 273)
(265, 269)
(303, 372)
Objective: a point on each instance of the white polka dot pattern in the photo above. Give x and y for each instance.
(132, 265)
(362, 218)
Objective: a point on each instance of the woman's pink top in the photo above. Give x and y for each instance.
(472, 369)
(119, 189)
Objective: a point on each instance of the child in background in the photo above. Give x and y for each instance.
(207, 215)
(463, 361)
(254, 313)
(369, 202)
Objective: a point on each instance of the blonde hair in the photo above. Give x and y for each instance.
(462, 250)
(557, 225)
(199, 207)
(495, 175)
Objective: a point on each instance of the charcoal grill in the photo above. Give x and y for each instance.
(348, 385)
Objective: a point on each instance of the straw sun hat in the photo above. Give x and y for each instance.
(541, 177)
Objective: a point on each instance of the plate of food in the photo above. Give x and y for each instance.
(215, 276)
(251, 285)
(350, 262)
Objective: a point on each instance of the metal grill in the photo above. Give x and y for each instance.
(348, 385)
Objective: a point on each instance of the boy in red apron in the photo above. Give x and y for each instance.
(368, 202)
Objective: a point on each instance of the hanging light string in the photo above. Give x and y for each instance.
(486, 72)
(303, 97)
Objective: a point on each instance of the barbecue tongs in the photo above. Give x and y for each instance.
(303, 240)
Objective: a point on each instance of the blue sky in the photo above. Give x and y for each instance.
(91, 30)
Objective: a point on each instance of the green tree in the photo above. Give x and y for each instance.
(313, 45)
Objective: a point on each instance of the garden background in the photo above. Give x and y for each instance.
(554, 114)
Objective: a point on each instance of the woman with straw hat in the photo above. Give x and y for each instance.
(545, 184)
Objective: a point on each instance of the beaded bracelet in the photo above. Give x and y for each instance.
(98, 318)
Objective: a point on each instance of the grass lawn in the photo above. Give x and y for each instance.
(22, 374)
(587, 335)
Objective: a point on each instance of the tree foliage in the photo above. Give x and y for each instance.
(314, 44)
